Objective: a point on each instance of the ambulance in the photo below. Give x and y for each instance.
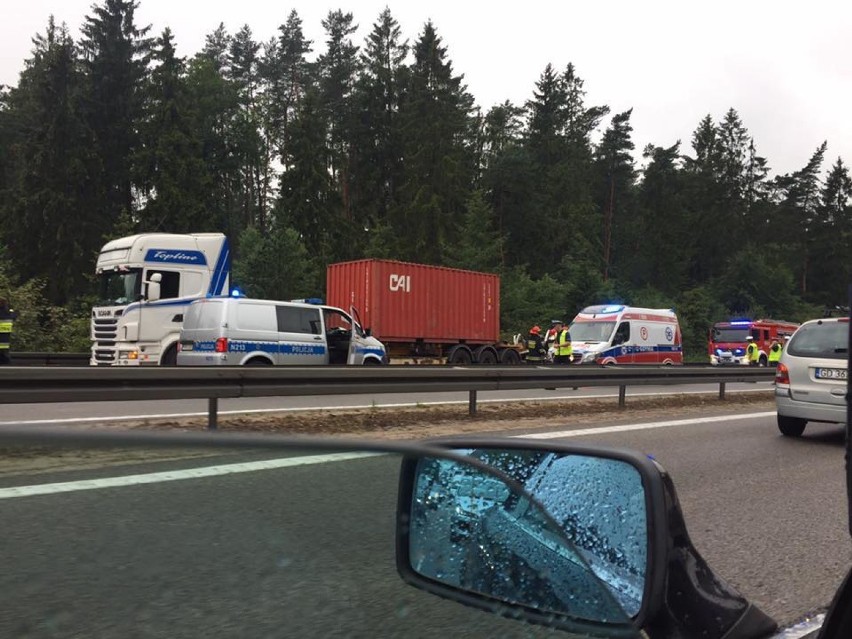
(616, 334)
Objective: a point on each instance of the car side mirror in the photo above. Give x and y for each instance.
(368, 332)
(153, 292)
(586, 539)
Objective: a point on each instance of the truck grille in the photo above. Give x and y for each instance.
(104, 334)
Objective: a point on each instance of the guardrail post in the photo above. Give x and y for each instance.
(471, 404)
(212, 413)
(721, 390)
(622, 395)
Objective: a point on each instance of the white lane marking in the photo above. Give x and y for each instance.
(644, 426)
(251, 411)
(175, 475)
(246, 467)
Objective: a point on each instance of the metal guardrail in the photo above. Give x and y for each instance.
(20, 385)
(50, 359)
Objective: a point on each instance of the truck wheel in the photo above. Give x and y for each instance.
(485, 355)
(791, 426)
(170, 356)
(509, 357)
(459, 355)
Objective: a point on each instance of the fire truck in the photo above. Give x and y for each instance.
(727, 341)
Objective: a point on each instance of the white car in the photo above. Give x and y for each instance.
(811, 379)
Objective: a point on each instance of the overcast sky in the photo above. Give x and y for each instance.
(785, 66)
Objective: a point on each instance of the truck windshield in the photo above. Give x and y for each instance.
(591, 331)
(737, 334)
(119, 287)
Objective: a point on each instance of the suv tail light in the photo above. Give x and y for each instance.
(782, 374)
(222, 345)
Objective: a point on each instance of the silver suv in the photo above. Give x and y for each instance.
(810, 382)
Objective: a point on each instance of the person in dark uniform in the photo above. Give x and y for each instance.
(536, 350)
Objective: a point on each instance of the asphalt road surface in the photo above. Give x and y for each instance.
(308, 550)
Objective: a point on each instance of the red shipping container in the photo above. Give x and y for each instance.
(405, 302)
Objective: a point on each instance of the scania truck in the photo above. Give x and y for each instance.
(146, 282)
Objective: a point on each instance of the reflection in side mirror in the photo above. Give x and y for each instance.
(564, 535)
(582, 538)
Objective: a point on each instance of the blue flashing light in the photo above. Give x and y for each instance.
(236, 292)
(740, 322)
(612, 308)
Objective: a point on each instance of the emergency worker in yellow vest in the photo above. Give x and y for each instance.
(775, 353)
(752, 351)
(536, 351)
(7, 322)
(564, 349)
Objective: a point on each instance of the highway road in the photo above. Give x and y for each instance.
(69, 413)
(275, 549)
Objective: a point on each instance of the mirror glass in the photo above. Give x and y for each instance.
(583, 555)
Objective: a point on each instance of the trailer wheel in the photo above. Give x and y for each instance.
(485, 355)
(459, 355)
(509, 357)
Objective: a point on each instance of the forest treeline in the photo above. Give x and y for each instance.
(307, 153)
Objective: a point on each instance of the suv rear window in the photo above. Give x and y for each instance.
(821, 339)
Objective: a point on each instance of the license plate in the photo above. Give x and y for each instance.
(187, 346)
(830, 373)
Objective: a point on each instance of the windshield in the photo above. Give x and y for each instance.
(729, 334)
(119, 287)
(822, 339)
(591, 331)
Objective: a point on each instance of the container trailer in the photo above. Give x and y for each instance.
(425, 314)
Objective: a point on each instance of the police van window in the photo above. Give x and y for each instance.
(256, 317)
(335, 320)
(169, 285)
(622, 335)
(292, 319)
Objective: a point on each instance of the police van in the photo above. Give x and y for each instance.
(239, 331)
(617, 334)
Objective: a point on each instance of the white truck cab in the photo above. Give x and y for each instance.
(146, 282)
(239, 331)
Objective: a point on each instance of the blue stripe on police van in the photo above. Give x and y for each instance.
(370, 351)
(272, 348)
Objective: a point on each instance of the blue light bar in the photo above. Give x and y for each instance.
(740, 323)
(308, 300)
(613, 308)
